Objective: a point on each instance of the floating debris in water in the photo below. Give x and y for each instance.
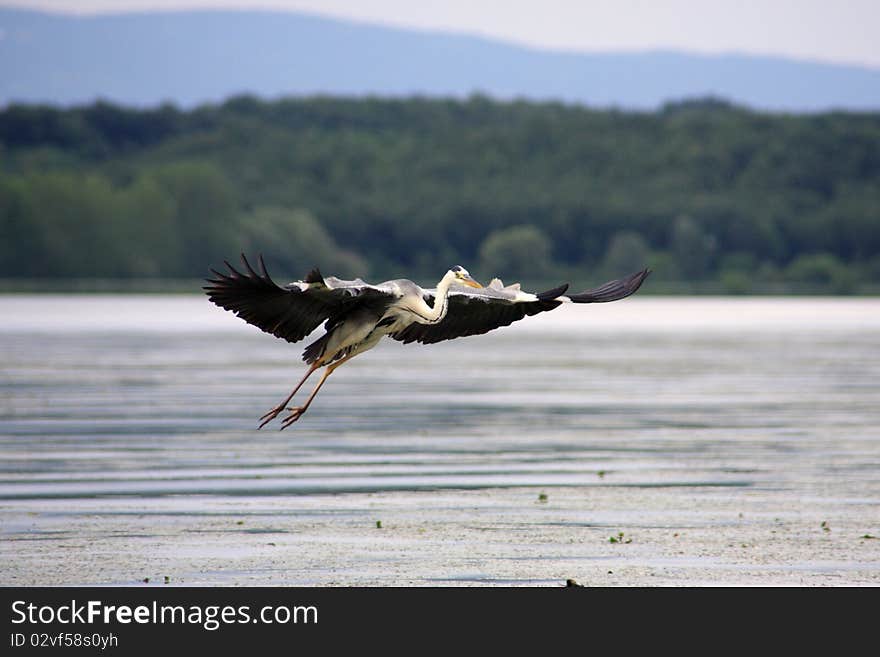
(378, 524)
(167, 579)
(146, 580)
(601, 474)
(825, 526)
(573, 583)
(542, 497)
(619, 538)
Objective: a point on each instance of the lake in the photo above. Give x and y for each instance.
(650, 441)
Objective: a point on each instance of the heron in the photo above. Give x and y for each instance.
(358, 315)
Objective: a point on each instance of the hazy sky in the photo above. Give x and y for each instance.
(827, 30)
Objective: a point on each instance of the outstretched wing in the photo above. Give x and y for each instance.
(473, 314)
(476, 311)
(290, 312)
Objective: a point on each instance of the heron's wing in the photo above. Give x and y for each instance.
(290, 312)
(476, 311)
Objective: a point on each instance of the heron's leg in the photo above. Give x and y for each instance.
(297, 411)
(271, 415)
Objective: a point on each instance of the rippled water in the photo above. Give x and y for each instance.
(149, 405)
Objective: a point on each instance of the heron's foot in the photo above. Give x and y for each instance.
(271, 415)
(296, 413)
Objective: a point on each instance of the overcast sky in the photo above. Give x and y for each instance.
(826, 30)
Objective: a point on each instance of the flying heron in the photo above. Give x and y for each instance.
(358, 315)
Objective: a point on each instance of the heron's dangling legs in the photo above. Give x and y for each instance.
(271, 415)
(297, 411)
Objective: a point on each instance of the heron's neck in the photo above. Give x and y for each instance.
(441, 300)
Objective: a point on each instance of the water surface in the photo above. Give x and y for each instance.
(128, 423)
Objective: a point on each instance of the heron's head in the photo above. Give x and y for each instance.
(462, 277)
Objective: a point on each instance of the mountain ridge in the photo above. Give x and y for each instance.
(192, 57)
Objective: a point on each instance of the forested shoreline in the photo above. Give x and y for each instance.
(714, 198)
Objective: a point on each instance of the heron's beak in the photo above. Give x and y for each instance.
(470, 282)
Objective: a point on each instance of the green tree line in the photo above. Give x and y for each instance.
(713, 197)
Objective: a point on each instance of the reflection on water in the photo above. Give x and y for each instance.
(160, 395)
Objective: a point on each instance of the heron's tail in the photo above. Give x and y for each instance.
(315, 350)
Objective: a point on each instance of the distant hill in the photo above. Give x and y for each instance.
(194, 57)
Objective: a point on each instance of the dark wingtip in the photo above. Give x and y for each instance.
(554, 293)
(247, 265)
(233, 272)
(635, 280)
(612, 290)
(314, 276)
(234, 279)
